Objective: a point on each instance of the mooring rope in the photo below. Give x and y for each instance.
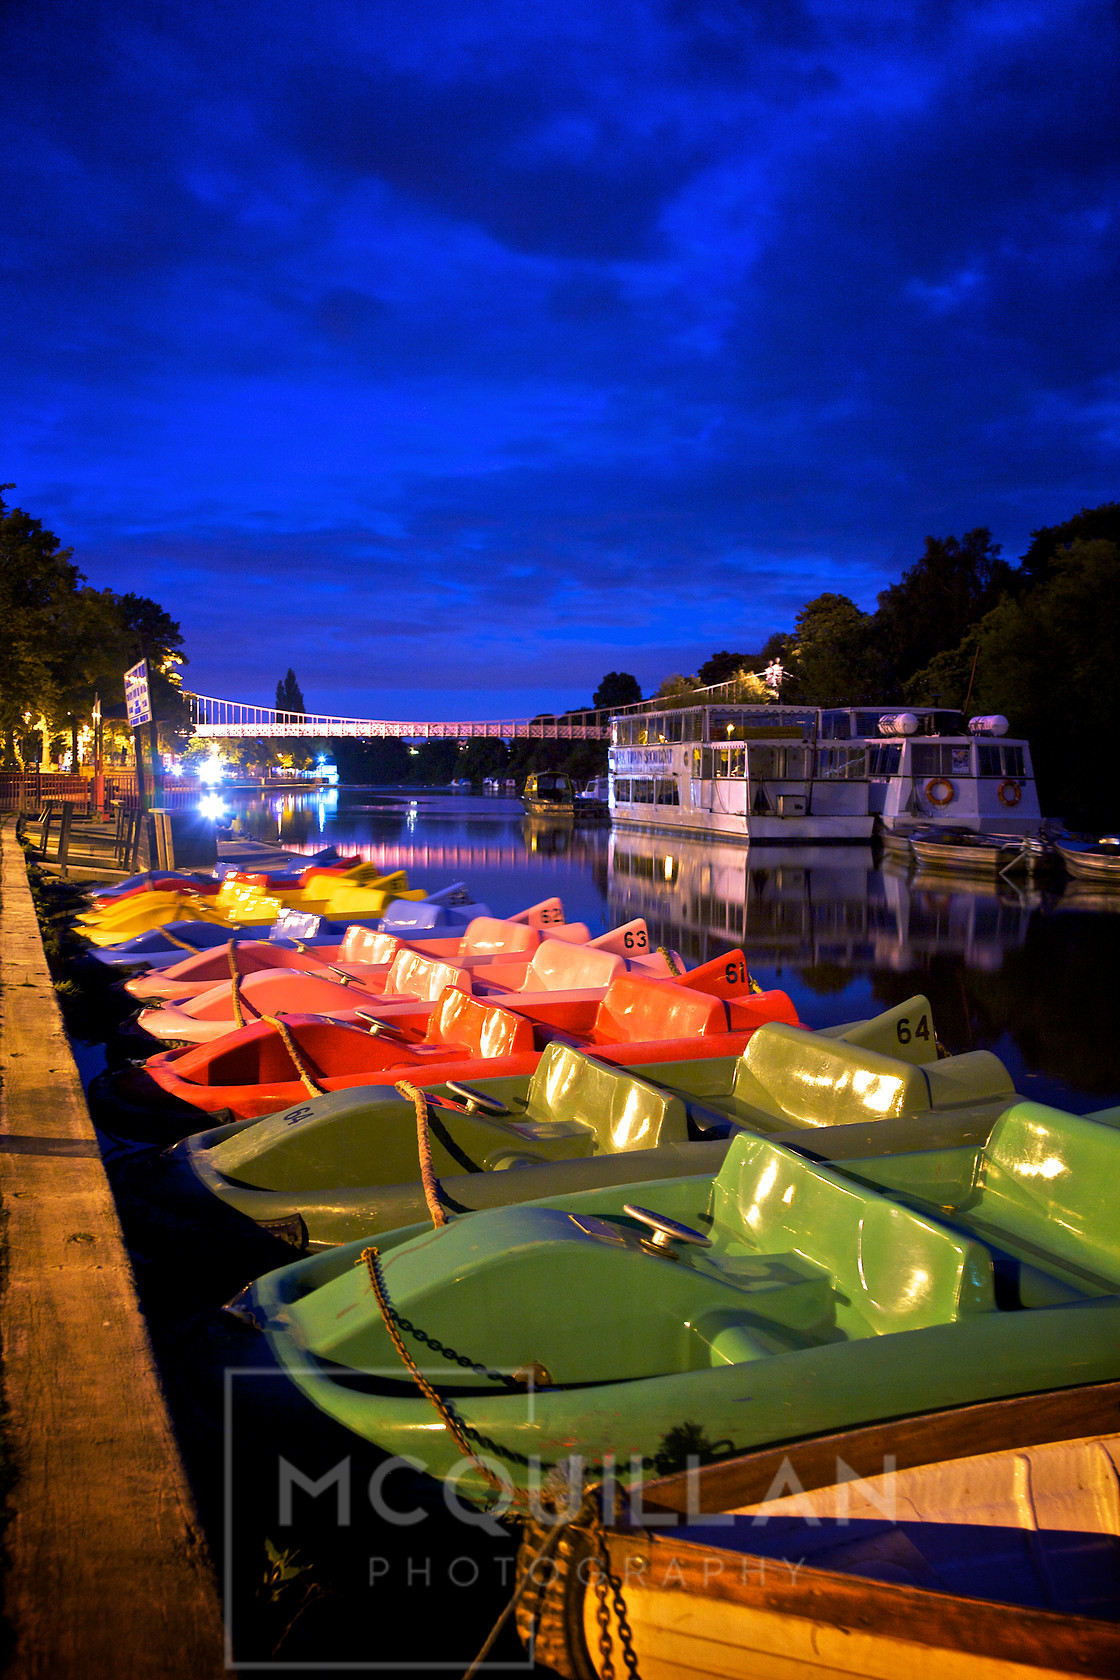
(670, 960)
(235, 983)
(424, 1148)
(308, 1083)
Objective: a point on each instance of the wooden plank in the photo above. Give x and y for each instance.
(1051, 1641)
(990, 1426)
(108, 1574)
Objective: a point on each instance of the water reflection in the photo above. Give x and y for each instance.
(810, 905)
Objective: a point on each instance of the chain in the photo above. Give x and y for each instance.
(447, 1416)
(608, 1587)
(603, 1617)
(670, 960)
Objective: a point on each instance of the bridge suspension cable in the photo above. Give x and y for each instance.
(215, 719)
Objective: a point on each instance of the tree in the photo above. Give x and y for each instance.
(289, 695)
(65, 642)
(38, 590)
(1049, 659)
(1090, 525)
(677, 690)
(931, 607)
(618, 688)
(721, 667)
(834, 660)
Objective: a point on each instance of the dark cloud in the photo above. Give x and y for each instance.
(468, 348)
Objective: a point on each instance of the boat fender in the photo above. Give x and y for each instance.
(940, 791)
(1009, 793)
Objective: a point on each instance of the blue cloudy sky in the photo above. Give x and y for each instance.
(458, 352)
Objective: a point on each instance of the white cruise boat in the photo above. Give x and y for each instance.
(785, 775)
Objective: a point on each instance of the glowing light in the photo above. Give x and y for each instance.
(211, 769)
(212, 805)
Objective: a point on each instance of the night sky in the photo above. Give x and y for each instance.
(455, 354)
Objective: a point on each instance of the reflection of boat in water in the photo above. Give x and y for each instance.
(807, 905)
(1092, 860)
(779, 775)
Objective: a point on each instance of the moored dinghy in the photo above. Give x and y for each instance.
(272, 1064)
(781, 1299)
(983, 1541)
(1092, 860)
(339, 1166)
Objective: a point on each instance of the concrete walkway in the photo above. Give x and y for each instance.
(109, 1577)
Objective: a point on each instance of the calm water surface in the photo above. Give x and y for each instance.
(1025, 971)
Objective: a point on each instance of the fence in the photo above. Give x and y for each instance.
(32, 790)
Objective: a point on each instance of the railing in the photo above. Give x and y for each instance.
(29, 790)
(215, 719)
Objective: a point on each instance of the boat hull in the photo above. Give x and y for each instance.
(749, 1591)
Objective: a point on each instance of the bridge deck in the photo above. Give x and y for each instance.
(230, 719)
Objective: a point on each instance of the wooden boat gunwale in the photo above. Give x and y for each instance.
(945, 1623)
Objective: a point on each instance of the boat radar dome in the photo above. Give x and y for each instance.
(902, 723)
(995, 725)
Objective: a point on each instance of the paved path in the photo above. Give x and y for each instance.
(109, 1577)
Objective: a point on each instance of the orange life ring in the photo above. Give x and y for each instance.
(945, 798)
(1009, 793)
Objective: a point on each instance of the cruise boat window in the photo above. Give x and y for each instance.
(1013, 763)
(835, 726)
(766, 763)
(841, 764)
(622, 791)
(927, 758)
(988, 759)
(867, 723)
(642, 791)
(693, 725)
(667, 793)
(884, 760)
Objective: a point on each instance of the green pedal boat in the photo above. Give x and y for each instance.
(346, 1164)
(776, 1300)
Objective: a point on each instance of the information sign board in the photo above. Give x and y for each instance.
(136, 696)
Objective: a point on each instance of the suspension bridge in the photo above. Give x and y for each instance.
(215, 719)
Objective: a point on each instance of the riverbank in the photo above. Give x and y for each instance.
(107, 1573)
